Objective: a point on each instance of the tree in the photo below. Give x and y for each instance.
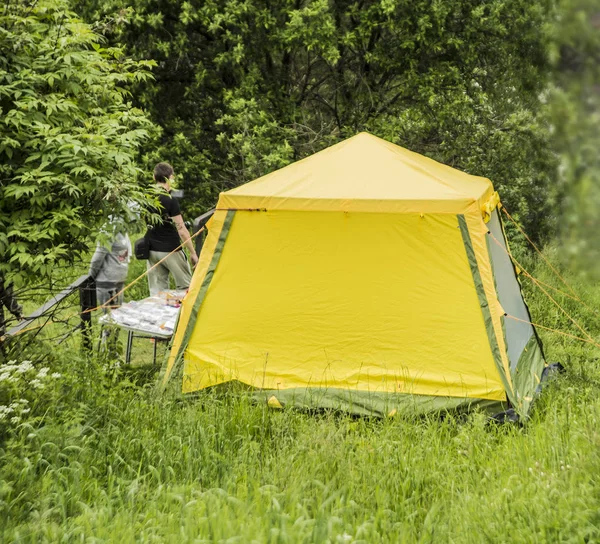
(69, 136)
(246, 86)
(574, 111)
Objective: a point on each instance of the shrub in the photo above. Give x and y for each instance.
(68, 136)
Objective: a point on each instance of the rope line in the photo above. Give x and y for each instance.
(144, 274)
(557, 331)
(564, 311)
(541, 254)
(89, 310)
(574, 296)
(563, 293)
(539, 286)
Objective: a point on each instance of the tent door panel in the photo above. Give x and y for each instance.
(518, 333)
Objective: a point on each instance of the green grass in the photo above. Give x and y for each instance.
(108, 461)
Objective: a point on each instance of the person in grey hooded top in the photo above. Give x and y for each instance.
(109, 267)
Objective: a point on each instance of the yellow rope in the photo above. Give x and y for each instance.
(538, 284)
(541, 254)
(144, 274)
(563, 293)
(538, 326)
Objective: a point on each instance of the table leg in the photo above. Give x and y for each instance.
(155, 342)
(128, 348)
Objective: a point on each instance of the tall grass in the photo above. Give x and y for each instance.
(107, 461)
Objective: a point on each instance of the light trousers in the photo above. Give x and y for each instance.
(175, 264)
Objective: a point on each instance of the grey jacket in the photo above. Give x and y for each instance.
(110, 266)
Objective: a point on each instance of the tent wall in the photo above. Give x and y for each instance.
(472, 230)
(382, 303)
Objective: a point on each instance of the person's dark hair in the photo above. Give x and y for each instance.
(163, 171)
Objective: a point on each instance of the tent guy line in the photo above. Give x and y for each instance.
(557, 331)
(538, 284)
(514, 222)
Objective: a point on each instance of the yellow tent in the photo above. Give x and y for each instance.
(365, 277)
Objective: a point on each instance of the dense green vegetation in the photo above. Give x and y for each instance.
(574, 111)
(68, 137)
(244, 87)
(505, 89)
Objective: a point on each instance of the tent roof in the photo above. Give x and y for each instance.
(363, 173)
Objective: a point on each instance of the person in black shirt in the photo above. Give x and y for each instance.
(167, 236)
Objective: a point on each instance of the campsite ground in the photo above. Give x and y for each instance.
(99, 457)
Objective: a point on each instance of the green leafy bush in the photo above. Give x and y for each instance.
(68, 136)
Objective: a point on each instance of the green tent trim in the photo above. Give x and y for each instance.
(177, 370)
(485, 307)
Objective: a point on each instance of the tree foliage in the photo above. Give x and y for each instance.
(574, 110)
(68, 135)
(247, 86)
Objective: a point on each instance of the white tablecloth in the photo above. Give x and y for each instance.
(155, 316)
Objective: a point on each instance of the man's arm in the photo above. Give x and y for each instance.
(97, 260)
(184, 235)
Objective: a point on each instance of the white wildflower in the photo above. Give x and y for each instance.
(25, 366)
(43, 372)
(37, 384)
(55, 375)
(15, 419)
